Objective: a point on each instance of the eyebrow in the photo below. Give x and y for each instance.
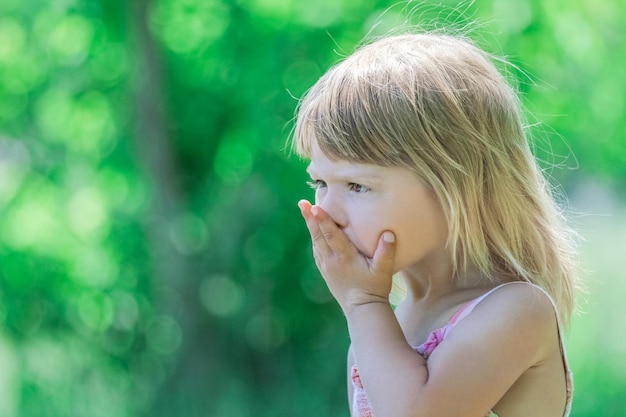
(350, 174)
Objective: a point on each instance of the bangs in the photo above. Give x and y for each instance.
(345, 115)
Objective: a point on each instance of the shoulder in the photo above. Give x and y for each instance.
(510, 330)
(520, 299)
(522, 312)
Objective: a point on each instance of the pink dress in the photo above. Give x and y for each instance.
(360, 404)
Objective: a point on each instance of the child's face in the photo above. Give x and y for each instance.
(365, 200)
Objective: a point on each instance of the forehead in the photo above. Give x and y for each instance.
(340, 168)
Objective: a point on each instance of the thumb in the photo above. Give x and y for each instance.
(385, 253)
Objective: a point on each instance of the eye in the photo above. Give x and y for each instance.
(358, 188)
(316, 184)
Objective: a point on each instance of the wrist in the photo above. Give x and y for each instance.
(359, 302)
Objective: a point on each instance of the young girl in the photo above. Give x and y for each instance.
(421, 168)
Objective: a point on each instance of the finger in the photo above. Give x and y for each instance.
(320, 247)
(382, 261)
(334, 237)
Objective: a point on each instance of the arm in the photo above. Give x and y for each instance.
(389, 368)
(467, 374)
(508, 333)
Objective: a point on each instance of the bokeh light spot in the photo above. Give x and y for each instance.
(52, 110)
(233, 161)
(68, 37)
(188, 233)
(221, 296)
(84, 124)
(321, 13)
(90, 126)
(96, 311)
(12, 39)
(110, 63)
(33, 221)
(513, 16)
(575, 36)
(126, 310)
(114, 185)
(45, 360)
(87, 215)
(187, 26)
(94, 267)
(164, 335)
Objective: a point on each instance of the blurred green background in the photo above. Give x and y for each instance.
(152, 257)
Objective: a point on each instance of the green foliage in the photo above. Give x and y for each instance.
(152, 258)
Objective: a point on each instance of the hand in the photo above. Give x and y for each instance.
(352, 278)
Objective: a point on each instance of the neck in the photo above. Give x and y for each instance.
(433, 279)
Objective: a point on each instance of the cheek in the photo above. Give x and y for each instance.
(405, 254)
(419, 237)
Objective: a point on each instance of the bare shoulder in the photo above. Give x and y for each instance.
(517, 322)
(525, 302)
(521, 290)
(523, 311)
(510, 331)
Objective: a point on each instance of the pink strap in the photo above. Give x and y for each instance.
(468, 307)
(437, 336)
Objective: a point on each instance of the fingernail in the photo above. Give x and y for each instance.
(315, 210)
(389, 237)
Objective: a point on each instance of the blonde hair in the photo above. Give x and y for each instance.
(438, 106)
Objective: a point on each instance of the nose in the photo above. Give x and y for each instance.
(332, 205)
